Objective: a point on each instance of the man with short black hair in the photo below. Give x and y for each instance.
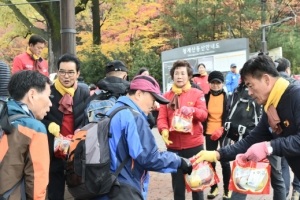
(65, 116)
(281, 117)
(24, 153)
(284, 70)
(31, 59)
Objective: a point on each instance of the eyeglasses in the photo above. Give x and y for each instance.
(63, 73)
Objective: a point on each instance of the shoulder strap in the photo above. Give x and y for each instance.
(17, 116)
(112, 114)
(23, 193)
(117, 172)
(233, 109)
(7, 120)
(255, 114)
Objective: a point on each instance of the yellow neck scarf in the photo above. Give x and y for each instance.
(204, 74)
(185, 88)
(63, 90)
(34, 57)
(276, 93)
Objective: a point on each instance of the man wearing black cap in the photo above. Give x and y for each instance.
(115, 81)
(232, 79)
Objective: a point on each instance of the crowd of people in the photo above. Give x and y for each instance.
(30, 168)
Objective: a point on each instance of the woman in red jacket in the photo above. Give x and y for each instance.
(202, 79)
(189, 101)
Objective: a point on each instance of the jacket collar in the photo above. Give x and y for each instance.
(126, 100)
(17, 107)
(114, 85)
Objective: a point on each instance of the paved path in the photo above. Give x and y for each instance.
(160, 187)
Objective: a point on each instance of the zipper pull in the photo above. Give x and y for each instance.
(248, 108)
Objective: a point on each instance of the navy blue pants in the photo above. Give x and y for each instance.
(287, 178)
(178, 182)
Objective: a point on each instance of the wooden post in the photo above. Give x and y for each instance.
(67, 26)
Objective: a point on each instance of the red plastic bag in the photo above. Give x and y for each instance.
(202, 176)
(182, 123)
(61, 146)
(249, 177)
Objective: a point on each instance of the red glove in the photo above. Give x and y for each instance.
(187, 110)
(217, 134)
(256, 152)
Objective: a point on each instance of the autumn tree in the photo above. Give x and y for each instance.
(93, 68)
(47, 13)
(195, 20)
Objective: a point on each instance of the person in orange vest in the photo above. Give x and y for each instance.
(31, 59)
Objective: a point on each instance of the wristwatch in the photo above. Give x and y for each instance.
(270, 148)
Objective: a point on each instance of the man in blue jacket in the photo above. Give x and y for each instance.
(131, 135)
(281, 117)
(232, 79)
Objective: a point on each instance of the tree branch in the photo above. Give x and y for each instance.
(24, 19)
(38, 20)
(81, 6)
(35, 6)
(105, 17)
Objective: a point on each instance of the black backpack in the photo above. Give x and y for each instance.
(244, 114)
(87, 170)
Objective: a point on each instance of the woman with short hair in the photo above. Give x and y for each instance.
(189, 102)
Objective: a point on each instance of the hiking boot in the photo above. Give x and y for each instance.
(227, 195)
(213, 193)
(295, 195)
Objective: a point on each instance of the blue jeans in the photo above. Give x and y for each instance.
(277, 181)
(287, 177)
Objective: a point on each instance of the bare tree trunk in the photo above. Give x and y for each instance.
(96, 22)
(54, 52)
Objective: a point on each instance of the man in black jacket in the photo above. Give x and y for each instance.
(115, 80)
(284, 70)
(65, 116)
(281, 117)
(114, 84)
